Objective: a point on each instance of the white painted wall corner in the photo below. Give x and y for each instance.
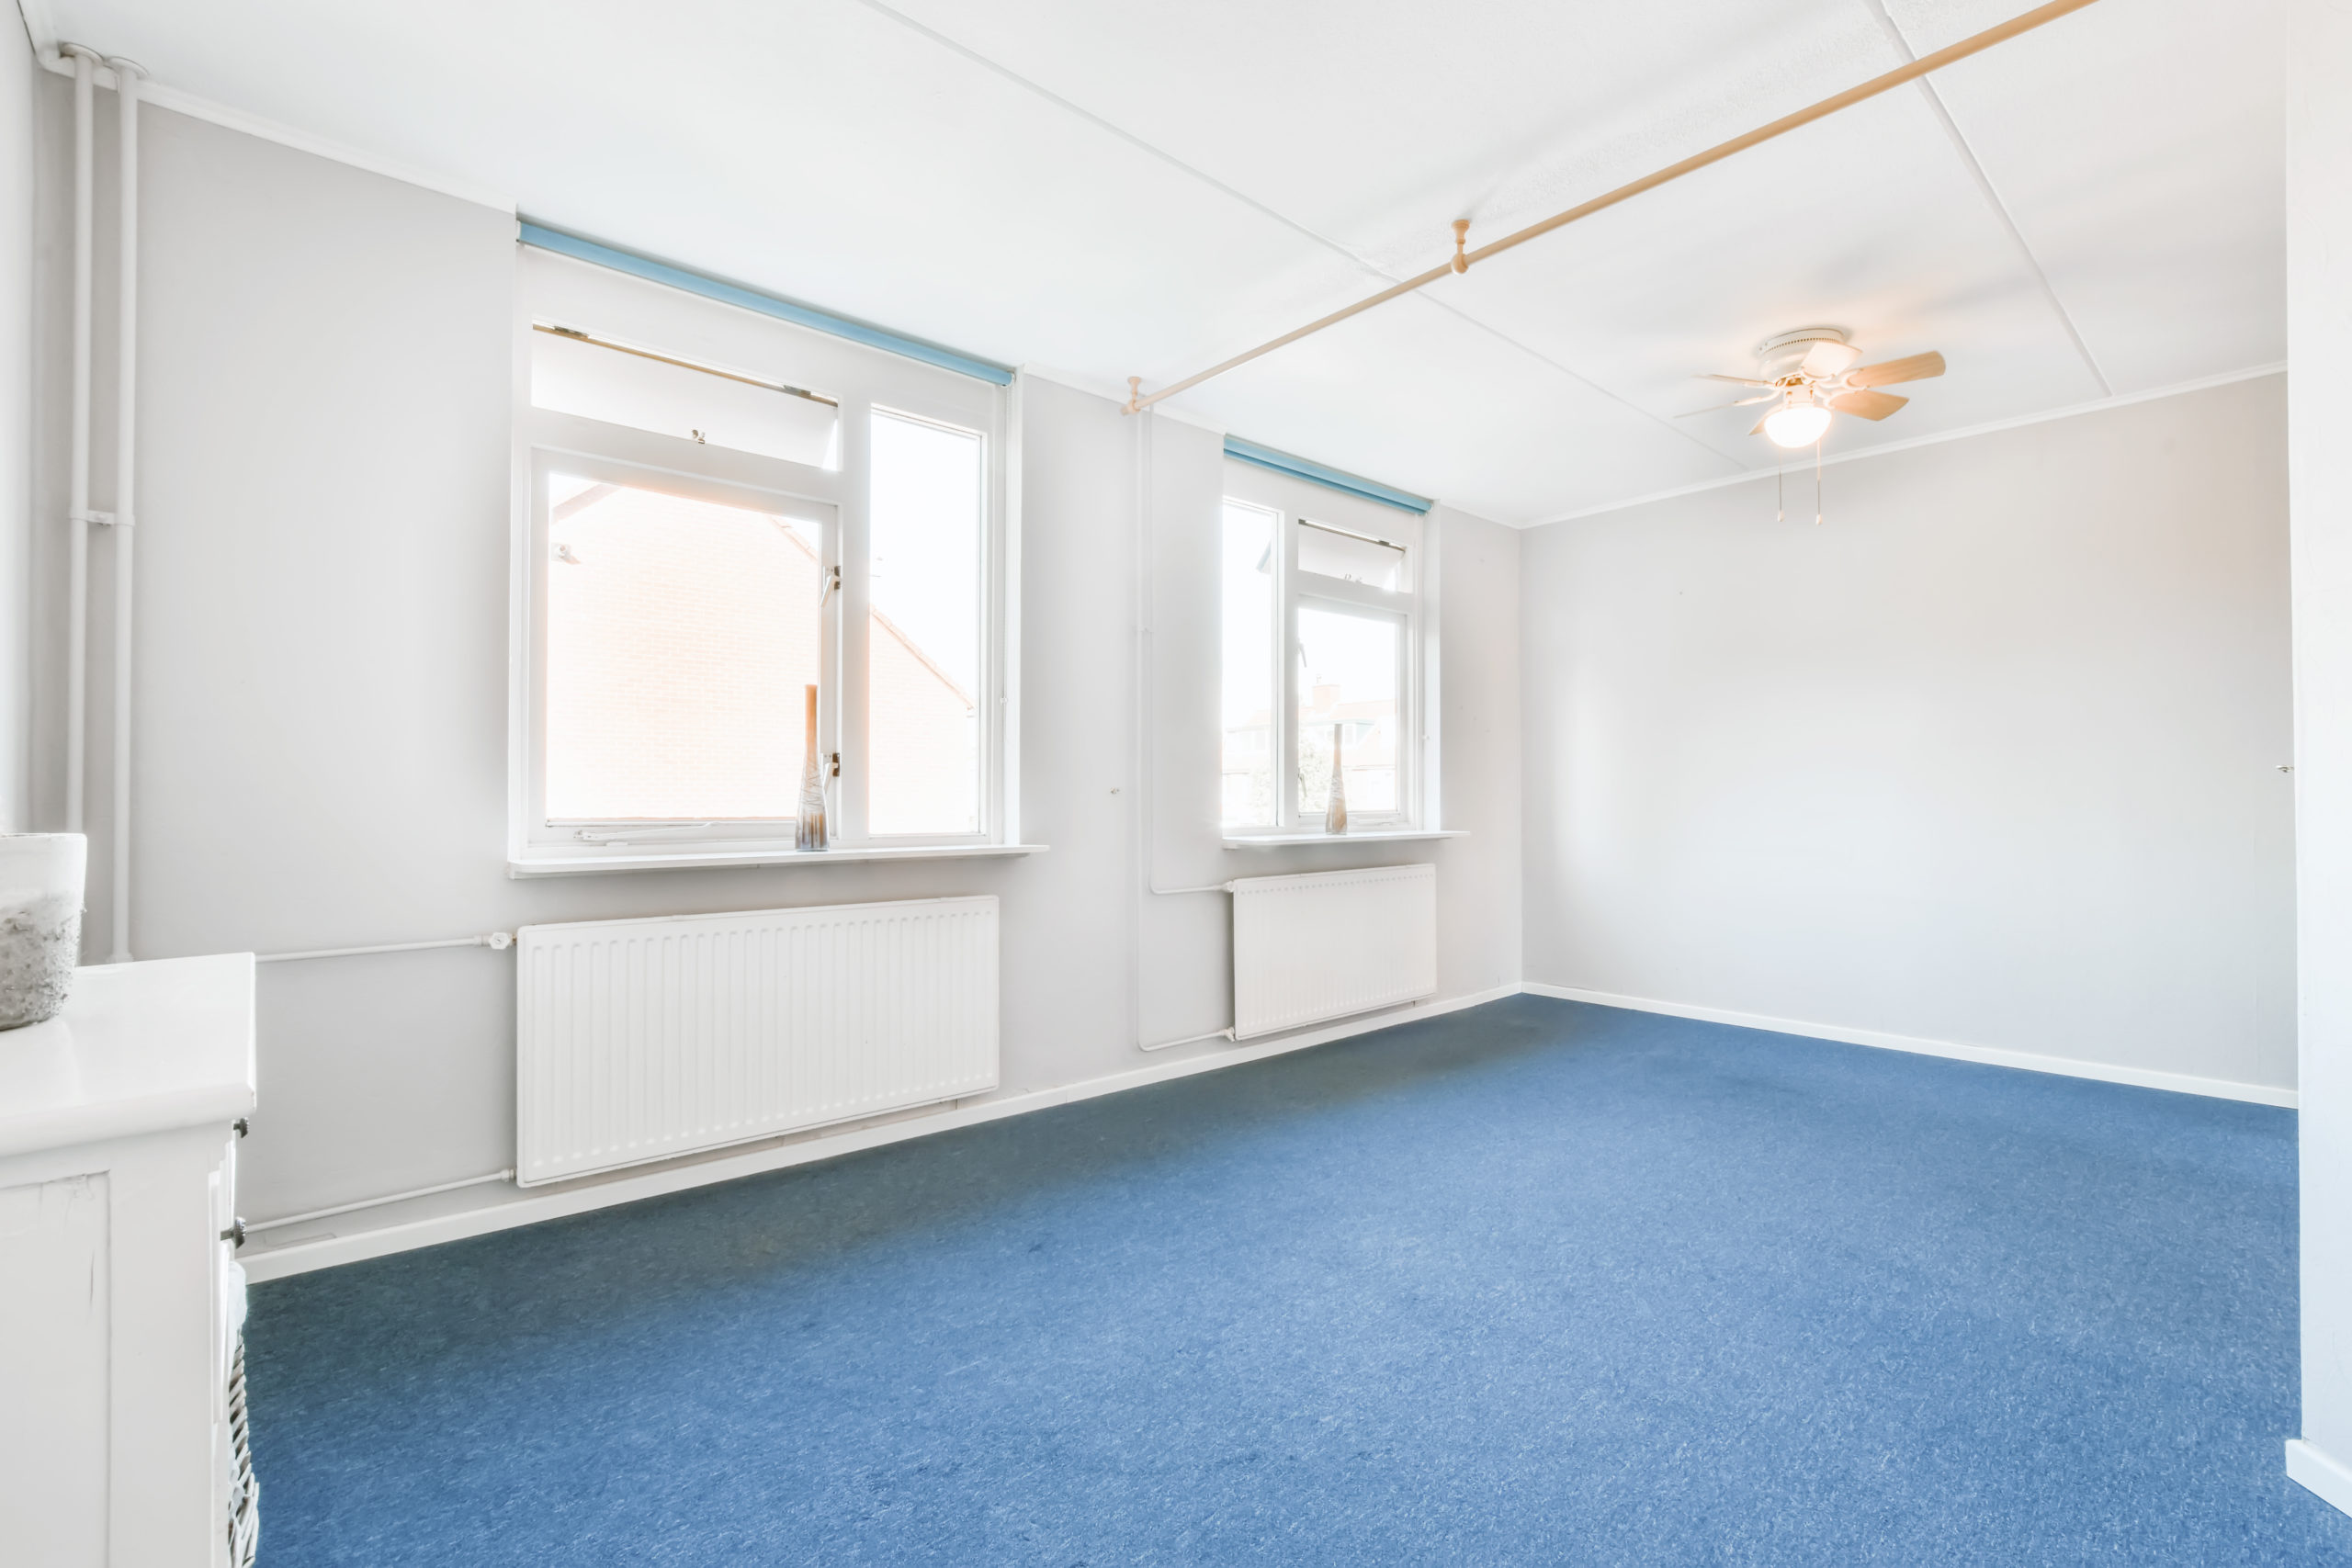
(1992, 1057)
(1937, 438)
(162, 96)
(2315, 1472)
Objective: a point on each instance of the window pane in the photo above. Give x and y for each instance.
(680, 636)
(923, 650)
(1247, 575)
(573, 374)
(1328, 552)
(1347, 682)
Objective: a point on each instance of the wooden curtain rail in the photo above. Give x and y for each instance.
(1461, 261)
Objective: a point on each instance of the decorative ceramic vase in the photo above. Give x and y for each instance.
(40, 922)
(809, 825)
(1335, 814)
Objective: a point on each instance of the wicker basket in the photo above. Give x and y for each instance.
(244, 1493)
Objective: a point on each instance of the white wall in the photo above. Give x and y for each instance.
(321, 719)
(2319, 337)
(1988, 759)
(18, 129)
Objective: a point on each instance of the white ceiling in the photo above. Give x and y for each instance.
(1141, 187)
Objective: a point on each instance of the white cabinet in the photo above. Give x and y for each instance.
(120, 1301)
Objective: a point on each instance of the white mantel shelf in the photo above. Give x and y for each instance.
(140, 1048)
(1287, 840)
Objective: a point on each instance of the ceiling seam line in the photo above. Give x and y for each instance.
(1941, 437)
(1295, 227)
(1130, 137)
(1993, 197)
(1542, 358)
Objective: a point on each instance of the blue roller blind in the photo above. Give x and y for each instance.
(783, 310)
(1330, 478)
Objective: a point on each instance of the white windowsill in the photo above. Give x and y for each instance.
(688, 858)
(1372, 835)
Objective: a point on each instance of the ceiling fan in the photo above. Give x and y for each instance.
(1810, 375)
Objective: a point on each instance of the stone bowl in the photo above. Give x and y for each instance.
(40, 922)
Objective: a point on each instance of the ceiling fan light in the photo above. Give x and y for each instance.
(1799, 424)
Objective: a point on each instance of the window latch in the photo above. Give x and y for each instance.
(833, 586)
(834, 761)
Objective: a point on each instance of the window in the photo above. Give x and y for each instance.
(924, 639)
(1350, 680)
(1250, 674)
(646, 390)
(680, 634)
(718, 514)
(1323, 654)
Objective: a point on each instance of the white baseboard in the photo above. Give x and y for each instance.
(2144, 1078)
(478, 1211)
(2316, 1472)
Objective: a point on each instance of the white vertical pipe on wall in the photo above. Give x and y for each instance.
(1143, 833)
(126, 76)
(1138, 850)
(78, 511)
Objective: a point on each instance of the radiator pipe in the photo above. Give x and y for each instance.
(1146, 694)
(126, 89)
(496, 941)
(507, 1175)
(77, 505)
(1225, 1034)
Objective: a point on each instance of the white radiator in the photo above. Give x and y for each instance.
(1308, 948)
(643, 1040)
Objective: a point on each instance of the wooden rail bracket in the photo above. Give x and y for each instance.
(1462, 258)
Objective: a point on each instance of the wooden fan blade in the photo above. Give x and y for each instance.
(1762, 422)
(1739, 380)
(1719, 408)
(1913, 368)
(1870, 405)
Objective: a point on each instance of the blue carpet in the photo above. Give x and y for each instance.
(1531, 1283)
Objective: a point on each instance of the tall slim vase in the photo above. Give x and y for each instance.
(810, 830)
(1335, 814)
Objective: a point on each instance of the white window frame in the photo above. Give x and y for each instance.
(1293, 501)
(558, 290)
